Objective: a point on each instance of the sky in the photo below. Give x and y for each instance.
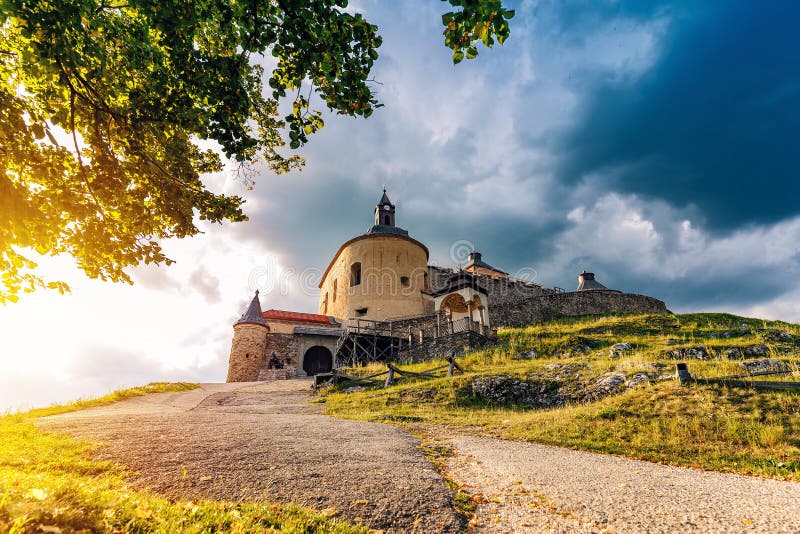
(654, 144)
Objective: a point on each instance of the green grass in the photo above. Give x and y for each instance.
(712, 427)
(50, 480)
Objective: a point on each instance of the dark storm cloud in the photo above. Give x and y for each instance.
(713, 123)
(687, 104)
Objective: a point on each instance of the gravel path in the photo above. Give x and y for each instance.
(268, 441)
(533, 488)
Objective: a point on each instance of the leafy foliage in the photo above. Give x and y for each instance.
(112, 110)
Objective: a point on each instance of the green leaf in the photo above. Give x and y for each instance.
(458, 56)
(472, 52)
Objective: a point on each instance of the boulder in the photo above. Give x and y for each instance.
(618, 349)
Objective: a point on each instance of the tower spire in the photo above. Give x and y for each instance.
(253, 314)
(384, 211)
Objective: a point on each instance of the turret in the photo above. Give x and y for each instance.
(586, 282)
(384, 211)
(249, 346)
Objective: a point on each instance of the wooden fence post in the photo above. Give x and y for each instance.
(682, 372)
(390, 377)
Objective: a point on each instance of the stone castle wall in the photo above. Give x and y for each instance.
(554, 305)
(500, 291)
(247, 352)
(284, 346)
(441, 347)
(386, 260)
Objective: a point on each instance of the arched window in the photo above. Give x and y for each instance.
(325, 304)
(355, 274)
(334, 290)
(386, 220)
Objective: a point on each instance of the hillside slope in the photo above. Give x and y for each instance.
(605, 384)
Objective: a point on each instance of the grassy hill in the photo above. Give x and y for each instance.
(568, 383)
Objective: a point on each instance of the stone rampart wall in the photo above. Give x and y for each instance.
(439, 348)
(553, 305)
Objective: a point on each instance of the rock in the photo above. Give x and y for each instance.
(610, 381)
(776, 335)
(618, 349)
(734, 353)
(355, 389)
(507, 390)
(637, 380)
(696, 353)
(755, 351)
(764, 366)
(531, 354)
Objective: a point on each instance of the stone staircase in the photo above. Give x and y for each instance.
(267, 375)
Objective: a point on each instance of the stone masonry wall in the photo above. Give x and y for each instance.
(438, 348)
(500, 290)
(285, 348)
(550, 306)
(247, 352)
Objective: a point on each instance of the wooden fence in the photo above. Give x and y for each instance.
(393, 374)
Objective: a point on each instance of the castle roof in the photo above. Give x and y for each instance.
(476, 261)
(385, 199)
(386, 229)
(460, 280)
(253, 313)
(586, 282)
(298, 317)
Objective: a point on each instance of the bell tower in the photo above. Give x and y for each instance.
(384, 211)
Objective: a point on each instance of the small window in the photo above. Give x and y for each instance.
(361, 312)
(404, 281)
(355, 274)
(334, 290)
(325, 304)
(386, 220)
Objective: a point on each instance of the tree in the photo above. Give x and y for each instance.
(112, 110)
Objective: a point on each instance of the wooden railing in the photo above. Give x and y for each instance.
(393, 375)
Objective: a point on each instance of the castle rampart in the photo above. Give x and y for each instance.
(553, 305)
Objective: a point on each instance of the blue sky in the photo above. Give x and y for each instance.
(653, 143)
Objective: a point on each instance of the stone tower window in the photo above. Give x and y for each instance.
(334, 290)
(361, 312)
(355, 274)
(404, 281)
(325, 304)
(387, 220)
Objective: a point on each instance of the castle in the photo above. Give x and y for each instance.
(380, 300)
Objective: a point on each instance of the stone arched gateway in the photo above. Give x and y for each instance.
(317, 359)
